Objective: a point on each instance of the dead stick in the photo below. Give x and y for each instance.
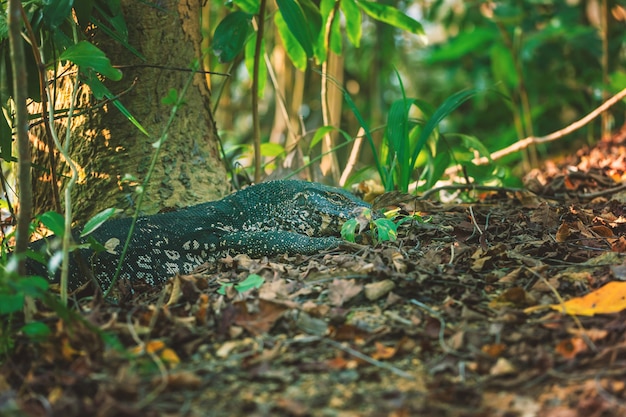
(524, 143)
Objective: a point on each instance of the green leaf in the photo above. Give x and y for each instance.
(172, 97)
(11, 303)
(353, 21)
(97, 221)
(248, 6)
(222, 289)
(297, 24)
(476, 41)
(231, 35)
(87, 55)
(270, 149)
(6, 139)
(249, 57)
(319, 135)
(53, 221)
(386, 230)
(348, 230)
(36, 330)
(55, 12)
(253, 281)
(32, 286)
(291, 44)
(391, 16)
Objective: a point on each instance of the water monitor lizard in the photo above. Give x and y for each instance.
(275, 217)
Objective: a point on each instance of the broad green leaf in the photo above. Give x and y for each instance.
(471, 142)
(36, 330)
(97, 221)
(296, 22)
(87, 55)
(32, 286)
(231, 35)
(171, 98)
(11, 303)
(55, 12)
(348, 230)
(291, 44)
(253, 281)
(386, 230)
(353, 21)
(53, 221)
(313, 17)
(249, 57)
(248, 6)
(391, 16)
(270, 149)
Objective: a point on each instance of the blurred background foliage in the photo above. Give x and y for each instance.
(540, 64)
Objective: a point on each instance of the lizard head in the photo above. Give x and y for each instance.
(322, 210)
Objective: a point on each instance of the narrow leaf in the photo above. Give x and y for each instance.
(297, 24)
(447, 107)
(353, 21)
(97, 221)
(291, 44)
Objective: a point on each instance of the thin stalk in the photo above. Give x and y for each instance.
(20, 87)
(333, 164)
(604, 34)
(256, 124)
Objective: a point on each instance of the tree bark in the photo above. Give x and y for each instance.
(106, 146)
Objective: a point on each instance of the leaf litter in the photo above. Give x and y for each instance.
(511, 305)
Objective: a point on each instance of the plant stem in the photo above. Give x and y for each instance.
(256, 124)
(20, 87)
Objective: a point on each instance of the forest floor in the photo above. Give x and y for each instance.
(453, 319)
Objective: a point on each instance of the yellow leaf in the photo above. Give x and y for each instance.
(610, 298)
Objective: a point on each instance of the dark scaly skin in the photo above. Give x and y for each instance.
(286, 216)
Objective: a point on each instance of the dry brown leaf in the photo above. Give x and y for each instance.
(342, 290)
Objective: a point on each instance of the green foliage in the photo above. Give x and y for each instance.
(383, 229)
(253, 281)
(13, 293)
(57, 38)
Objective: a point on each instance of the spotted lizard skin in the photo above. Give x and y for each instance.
(276, 217)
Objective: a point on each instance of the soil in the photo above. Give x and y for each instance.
(464, 315)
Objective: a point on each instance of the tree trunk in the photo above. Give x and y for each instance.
(106, 146)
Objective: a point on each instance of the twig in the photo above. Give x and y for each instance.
(256, 124)
(354, 156)
(370, 360)
(524, 143)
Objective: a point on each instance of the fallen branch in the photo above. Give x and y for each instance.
(524, 143)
